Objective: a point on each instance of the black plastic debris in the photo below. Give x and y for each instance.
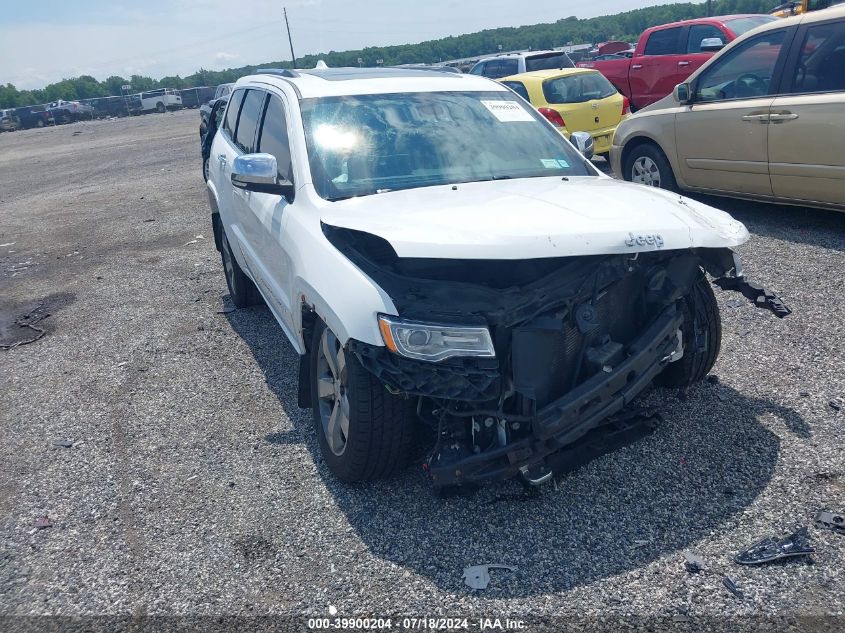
(693, 563)
(730, 585)
(836, 406)
(827, 520)
(774, 548)
(761, 297)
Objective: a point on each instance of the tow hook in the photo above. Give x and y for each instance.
(535, 475)
(756, 293)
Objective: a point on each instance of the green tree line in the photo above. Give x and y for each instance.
(625, 26)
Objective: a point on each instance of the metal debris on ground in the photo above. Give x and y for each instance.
(774, 548)
(730, 585)
(693, 563)
(63, 443)
(43, 522)
(478, 576)
(827, 520)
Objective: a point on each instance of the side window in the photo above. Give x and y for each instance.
(519, 88)
(698, 32)
(548, 62)
(232, 112)
(248, 121)
(274, 137)
(664, 42)
(821, 63)
(478, 69)
(745, 72)
(507, 67)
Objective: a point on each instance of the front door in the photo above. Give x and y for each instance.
(653, 74)
(722, 138)
(806, 132)
(270, 214)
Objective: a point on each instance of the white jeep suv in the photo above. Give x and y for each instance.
(438, 254)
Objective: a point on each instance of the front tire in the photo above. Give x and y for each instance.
(701, 333)
(242, 290)
(363, 430)
(160, 108)
(647, 165)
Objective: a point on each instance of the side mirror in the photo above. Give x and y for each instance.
(260, 173)
(681, 93)
(710, 44)
(583, 142)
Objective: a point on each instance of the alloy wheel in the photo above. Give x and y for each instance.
(332, 393)
(645, 171)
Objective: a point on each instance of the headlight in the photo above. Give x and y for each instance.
(432, 342)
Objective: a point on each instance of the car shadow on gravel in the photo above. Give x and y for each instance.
(706, 463)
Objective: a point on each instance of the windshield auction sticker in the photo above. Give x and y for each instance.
(507, 111)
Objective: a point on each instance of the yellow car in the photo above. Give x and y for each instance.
(574, 100)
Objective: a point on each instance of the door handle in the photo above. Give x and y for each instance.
(751, 118)
(636, 66)
(221, 158)
(781, 117)
(683, 63)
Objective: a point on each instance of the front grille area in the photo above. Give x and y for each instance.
(549, 354)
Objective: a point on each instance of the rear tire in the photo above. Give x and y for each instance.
(647, 165)
(241, 288)
(702, 336)
(363, 430)
(160, 107)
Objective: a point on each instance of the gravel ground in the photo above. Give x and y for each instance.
(192, 484)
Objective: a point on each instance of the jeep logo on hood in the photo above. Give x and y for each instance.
(644, 240)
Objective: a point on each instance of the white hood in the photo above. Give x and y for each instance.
(536, 217)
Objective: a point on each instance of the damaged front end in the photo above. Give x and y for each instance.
(552, 347)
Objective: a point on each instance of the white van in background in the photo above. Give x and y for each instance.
(161, 100)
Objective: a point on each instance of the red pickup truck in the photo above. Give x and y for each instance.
(666, 55)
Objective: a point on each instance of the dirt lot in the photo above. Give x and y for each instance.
(191, 484)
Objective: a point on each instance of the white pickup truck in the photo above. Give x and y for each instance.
(439, 254)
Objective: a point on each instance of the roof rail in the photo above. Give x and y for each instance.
(281, 72)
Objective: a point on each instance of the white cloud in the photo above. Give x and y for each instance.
(225, 58)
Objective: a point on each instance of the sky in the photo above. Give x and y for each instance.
(48, 40)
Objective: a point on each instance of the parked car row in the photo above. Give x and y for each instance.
(666, 55)
(763, 119)
(439, 254)
(62, 111)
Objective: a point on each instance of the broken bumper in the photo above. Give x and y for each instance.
(573, 415)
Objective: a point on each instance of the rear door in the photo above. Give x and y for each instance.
(654, 73)
(722, 138)
(250, 230)
(223, 152)
(806, 130)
